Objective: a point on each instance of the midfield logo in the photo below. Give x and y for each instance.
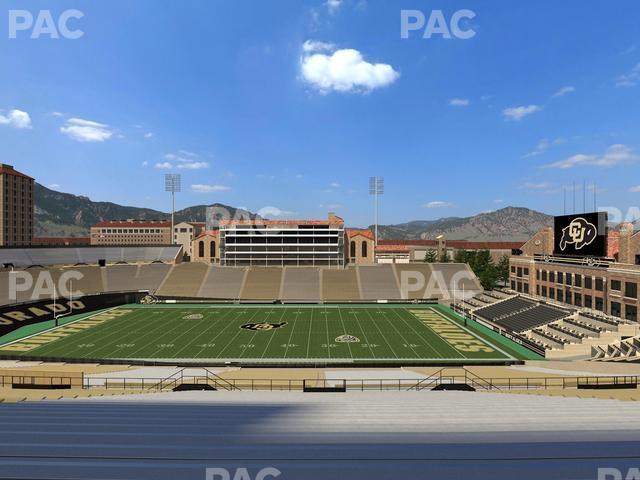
(578, 233)
(262, 327)
(347, 339)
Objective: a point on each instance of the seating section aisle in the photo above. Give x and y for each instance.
(301, 284)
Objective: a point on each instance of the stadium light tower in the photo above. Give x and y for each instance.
(376, 188)
(172, 183)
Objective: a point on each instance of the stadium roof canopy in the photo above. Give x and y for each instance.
(26, 257)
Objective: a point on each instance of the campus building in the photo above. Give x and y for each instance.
(359, 246)
(205, 247)
(404, 251)
(131, 232)
(185, 232)
(608, 284)
(16, 207)
(282, 242)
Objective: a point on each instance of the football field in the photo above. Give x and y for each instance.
(272, 334)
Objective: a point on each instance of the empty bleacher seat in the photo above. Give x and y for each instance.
(262, 283)
(222, 283)
(340, 285)
(301, 283)
(378, 282)
(184, 280)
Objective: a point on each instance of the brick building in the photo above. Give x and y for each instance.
(185, 232)
(16, 207)
(131, 232)
(417, 249)
(608, 285)
(359, 246)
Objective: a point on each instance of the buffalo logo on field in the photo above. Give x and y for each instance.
(578, 233)
(347, 339)
(262, 327)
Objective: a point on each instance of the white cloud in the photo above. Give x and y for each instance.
(543, 146)
(630, 79)
(184, 160)
(438, 204)
(537, 186)
(564, 91)
(57, 114)
(53, 186)
(266, 212)
(145, 163)
(86, 130)
(629, 50)
(333, 5)
(334, 185)
(345, 70)
(203, 188)
(518, 113)
(148, 135)
(635, 189)
(316, 46)
(459, 102)
(614, 155)
(330, 206)
(193, 165)
(16, 119)
(163, 165)
(498, 200)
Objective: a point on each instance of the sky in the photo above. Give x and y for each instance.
(287, 107)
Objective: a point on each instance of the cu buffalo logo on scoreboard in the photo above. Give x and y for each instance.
(262, 327)
(578, 233)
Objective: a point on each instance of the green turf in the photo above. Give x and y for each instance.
(390, 334)
(509, 346)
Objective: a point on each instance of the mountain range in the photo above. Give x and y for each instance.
(506, 224)
(65, 214)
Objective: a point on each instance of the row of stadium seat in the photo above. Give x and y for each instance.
(289, 284)
(520, 314)
(28, 257)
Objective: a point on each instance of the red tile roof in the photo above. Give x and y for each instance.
(9, 170)
(392, 248)
(204, 233)
(352, 232)
(458, 244)
(133, 224)
(281, 222)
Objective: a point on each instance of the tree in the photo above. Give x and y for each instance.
(431, 256)
(485, 269)
(445, 258)
(460, 256)
(503, 269)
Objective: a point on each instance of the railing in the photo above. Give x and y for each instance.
(441, 377)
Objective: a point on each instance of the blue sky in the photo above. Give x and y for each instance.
(293, 104)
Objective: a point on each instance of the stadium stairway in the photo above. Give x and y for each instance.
(262, 283)
(222, 283)
(378, 282)
(301, 284)
(184, 280)
(340, 285)
(151, 276)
